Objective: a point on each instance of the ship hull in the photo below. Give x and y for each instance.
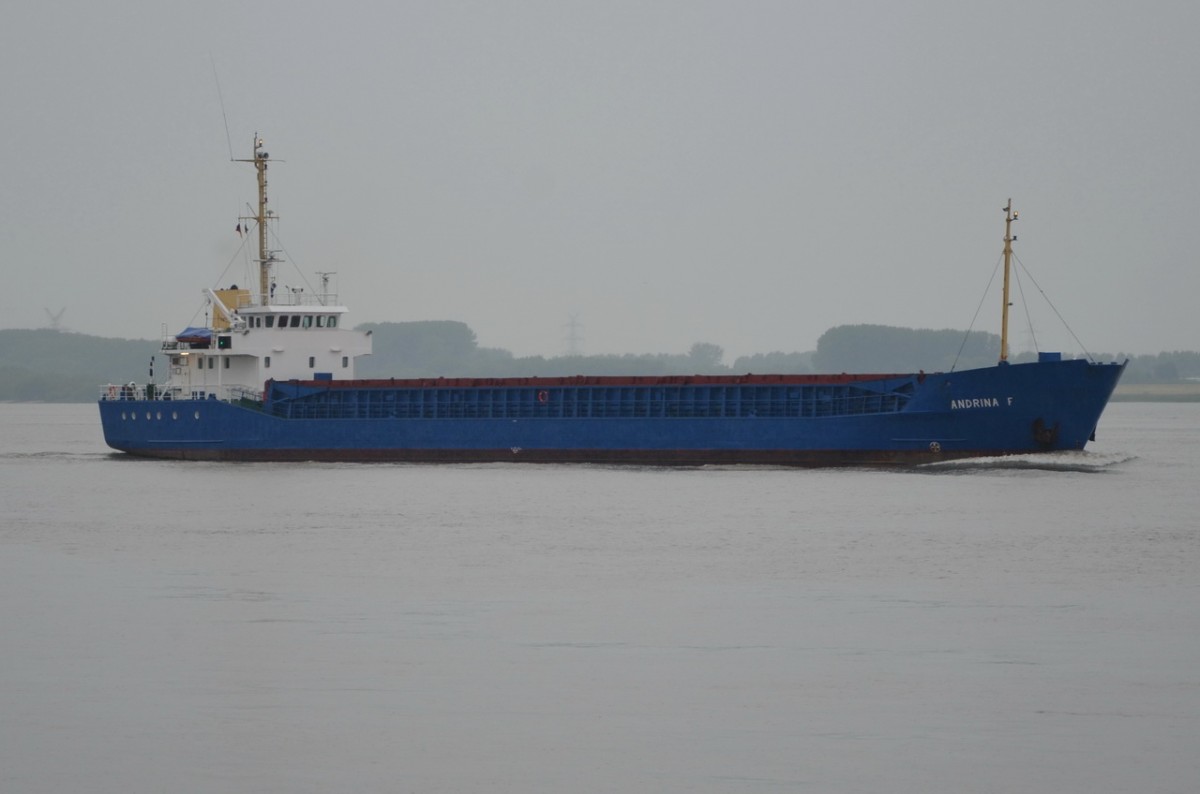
(892, 420)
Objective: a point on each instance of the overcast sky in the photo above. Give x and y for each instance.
(742, 173)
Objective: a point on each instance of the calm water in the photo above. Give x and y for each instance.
(1026, 626)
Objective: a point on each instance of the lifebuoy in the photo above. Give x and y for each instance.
(543, 396)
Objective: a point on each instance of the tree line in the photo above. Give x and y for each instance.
(58, 366)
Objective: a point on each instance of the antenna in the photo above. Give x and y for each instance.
(221, 99)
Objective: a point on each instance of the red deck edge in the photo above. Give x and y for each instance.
(598, 380)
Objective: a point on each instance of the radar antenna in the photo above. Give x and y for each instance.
(325, 274)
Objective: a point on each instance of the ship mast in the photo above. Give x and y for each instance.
(265, 257)
(1009, 217)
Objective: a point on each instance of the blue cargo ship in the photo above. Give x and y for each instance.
(271, 377)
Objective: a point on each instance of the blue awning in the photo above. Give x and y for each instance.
(194, 336)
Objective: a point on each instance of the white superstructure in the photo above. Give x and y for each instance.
(253, 336)
(247, 344)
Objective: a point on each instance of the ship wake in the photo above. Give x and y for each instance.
(1082, 461)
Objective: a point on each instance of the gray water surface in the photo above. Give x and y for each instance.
(1028, 624)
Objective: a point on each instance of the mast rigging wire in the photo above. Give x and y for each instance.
(1054, 308)
(221, 99)
(978, 308)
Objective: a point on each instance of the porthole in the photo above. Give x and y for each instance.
(133, 415)
(123, 416)
(158, 416)
(197, 414)
(174, 414)
(147, 416)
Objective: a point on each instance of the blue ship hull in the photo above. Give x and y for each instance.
(779, 420)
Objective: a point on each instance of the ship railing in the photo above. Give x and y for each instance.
(296, 296)
(172, 344)
(169, 344)
(243, 394)
(111, 392)
(128, 392)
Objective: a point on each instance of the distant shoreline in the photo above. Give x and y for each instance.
(1157, 392)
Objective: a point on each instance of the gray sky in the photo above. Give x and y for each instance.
(742, 173)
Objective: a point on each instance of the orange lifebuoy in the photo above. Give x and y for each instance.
(543, 396)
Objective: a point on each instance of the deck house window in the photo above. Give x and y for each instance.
(312, 361)
(266, 362)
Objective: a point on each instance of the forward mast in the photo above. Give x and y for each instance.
(1009, 217)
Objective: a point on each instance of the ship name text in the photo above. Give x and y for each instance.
(977, 402)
